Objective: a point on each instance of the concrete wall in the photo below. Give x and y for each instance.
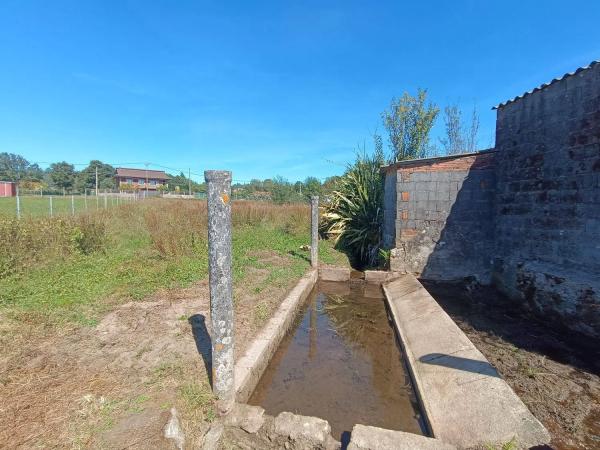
(548, 200)
(389, 210)
(443, 216)
(526, 217)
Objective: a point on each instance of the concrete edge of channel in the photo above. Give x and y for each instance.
(250, 367)
(464, 400)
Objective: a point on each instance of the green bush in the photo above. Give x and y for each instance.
(354, 214)
(31, 242)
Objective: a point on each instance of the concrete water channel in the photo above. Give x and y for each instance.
(340, 362)
(328, 359)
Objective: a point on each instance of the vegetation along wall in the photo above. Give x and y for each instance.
(525, 217)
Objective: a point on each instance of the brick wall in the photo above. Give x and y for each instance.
(443, 217)
(548, 200)
(525, 216)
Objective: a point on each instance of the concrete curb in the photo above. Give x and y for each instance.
(465, 401)
(250, 367)
(365, 437)
(330, 273)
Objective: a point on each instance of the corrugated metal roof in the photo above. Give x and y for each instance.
(545, 85)
(142, 173)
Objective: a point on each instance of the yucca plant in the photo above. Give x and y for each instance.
(354, 214)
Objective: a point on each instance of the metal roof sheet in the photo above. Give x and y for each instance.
(545, 85)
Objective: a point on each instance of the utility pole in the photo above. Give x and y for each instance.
(96, 181)
(146, 179)
(190, 181)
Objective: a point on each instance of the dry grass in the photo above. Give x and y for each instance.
(30, 242)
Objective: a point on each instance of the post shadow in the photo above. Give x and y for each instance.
(460, 363)
(203, 342)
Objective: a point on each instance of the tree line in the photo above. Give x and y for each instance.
(63, 177)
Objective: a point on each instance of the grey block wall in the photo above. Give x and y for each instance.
(525, 216)
(444, 217)
(389, 210)
(547, 250)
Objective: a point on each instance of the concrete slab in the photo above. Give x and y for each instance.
(380, 276)
(372, 438)
(295, 427)
(250, 367)
(464, 399)
(334, 273)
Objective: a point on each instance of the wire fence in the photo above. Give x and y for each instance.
(55, 202)
(24, 205)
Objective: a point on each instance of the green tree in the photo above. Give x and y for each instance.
(86, 179)
(182, 183)
(282, 191)
(408, 123)
(310, 187)
(62, 175)
(14, 167)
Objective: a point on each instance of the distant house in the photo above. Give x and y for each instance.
(142, 179)
(7, 189)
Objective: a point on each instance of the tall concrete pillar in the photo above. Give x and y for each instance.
(314, 231)
(221, 299)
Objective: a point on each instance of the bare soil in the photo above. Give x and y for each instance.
(113, 385)
(554, 371)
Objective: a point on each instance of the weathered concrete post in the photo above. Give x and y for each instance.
(314, 231)
(221, 301)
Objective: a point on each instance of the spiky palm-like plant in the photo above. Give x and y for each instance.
(354, 214)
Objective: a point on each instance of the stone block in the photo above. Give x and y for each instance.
(334, 273)
(372, 438)
(303, 428)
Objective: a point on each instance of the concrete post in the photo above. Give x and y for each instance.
(72, 205)
(51, 212)
(221, 300)
(314, 231)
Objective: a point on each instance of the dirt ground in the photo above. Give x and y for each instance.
(555, 372)
(113, 385)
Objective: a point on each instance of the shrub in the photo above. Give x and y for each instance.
(354, 214)
(29, 242)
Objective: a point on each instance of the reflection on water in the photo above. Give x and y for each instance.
(340, 362)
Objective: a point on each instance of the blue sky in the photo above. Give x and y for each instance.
(263, 88)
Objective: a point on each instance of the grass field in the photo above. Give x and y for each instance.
(36, 206)
(102, 316)
(146, 246)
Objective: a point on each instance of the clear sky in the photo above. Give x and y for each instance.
(261, 88)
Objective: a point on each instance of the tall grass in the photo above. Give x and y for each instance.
(30, 242)
(178, 227)
(173, 227)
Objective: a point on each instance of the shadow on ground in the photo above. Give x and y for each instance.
(485, 309)
(203, 341)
